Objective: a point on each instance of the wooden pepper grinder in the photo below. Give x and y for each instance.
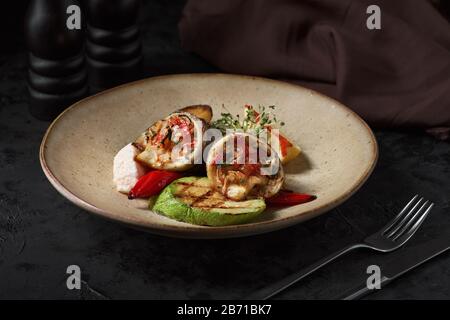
(113, 45)
(57, 76)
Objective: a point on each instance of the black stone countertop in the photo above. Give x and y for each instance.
(41, 233)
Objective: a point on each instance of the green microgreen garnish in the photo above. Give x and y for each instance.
(254, 120)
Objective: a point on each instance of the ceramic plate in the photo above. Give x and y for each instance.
(339, 150)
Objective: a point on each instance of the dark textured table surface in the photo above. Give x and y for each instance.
(41, 233)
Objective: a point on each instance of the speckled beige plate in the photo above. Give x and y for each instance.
(339, 149)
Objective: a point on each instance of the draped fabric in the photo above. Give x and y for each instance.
(396, 76)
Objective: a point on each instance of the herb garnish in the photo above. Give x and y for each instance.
(253, 121)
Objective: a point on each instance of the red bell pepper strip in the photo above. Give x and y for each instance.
(152, 183)
(288, 198)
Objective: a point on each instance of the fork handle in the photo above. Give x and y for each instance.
(274, 289)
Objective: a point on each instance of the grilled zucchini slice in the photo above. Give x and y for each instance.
(193, 200)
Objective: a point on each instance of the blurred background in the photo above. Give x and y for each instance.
(160, 16)
(11, 18)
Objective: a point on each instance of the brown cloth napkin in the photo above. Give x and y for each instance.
(398, 76)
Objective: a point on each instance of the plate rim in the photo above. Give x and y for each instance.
(207, 232)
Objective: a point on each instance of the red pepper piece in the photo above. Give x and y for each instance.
(152, 183)
(287, 198)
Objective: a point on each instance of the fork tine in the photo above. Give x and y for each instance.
(410, 232)
(397, 217)
(407, 221)
(404, 218)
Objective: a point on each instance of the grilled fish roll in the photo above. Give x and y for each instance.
(244, 170)
(174, 143)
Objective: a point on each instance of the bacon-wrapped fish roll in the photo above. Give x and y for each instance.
(238, 170)
(174, 143)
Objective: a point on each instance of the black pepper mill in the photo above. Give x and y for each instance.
(57, 76)
(113, 45)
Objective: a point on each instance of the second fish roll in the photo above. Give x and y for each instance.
(242, 166)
